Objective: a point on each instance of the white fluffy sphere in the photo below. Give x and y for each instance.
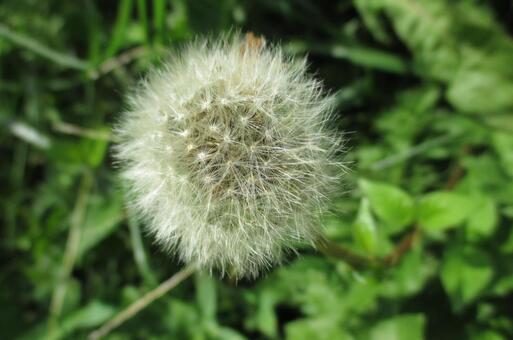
(226, 154)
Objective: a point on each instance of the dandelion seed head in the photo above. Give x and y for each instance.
(227, 156)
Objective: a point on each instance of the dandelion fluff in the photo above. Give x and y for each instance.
(226, 154)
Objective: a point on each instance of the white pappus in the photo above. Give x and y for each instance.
(227, 156)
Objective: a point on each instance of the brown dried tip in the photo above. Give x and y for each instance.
(253, 43)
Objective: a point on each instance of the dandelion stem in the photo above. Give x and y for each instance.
(141, 303)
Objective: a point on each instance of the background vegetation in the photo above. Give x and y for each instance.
(425, 95)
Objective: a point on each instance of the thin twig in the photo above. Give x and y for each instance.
(70, 253)
(76, 130)
(359, 261)
(347, 255)
(122, 59)
(141, 303)
(455, 177)
(457, 171)
(402, 247)
(407, 242)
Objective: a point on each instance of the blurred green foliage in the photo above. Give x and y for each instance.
(425, 95)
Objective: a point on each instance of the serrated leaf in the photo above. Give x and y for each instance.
(442, 210)
(481, 90)
(391, 204)
(503, 144)
(364, 228)
(425, 28)
(410, 275)
(471, 53)
(315, 328)
(227, 333)
(482, 219)
(403, 327)
(465, 273)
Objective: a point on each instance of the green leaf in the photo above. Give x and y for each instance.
(36, 47)
(507, 246)
(410, 275)
(86, 151)
(315, 328)
(487, 335)
(183, 320)
(442, 210)
(370, 16)
(424, 26)
(267, 321)
(503, 144)
(472, 53)
(402, 327)
(371, 58)
(226, 333)
(503, 285)
(117, 39)
(334, 227)
(465, 273)
(206, 297)
(92, 315)
(481, 90)
(391, 204)
(482, 219)
(103, 216)
(364, 228)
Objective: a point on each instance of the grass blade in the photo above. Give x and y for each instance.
(42, 50)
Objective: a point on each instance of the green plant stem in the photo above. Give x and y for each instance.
(140, 257)
(70, 253)
(356, 260)
(406, 243)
